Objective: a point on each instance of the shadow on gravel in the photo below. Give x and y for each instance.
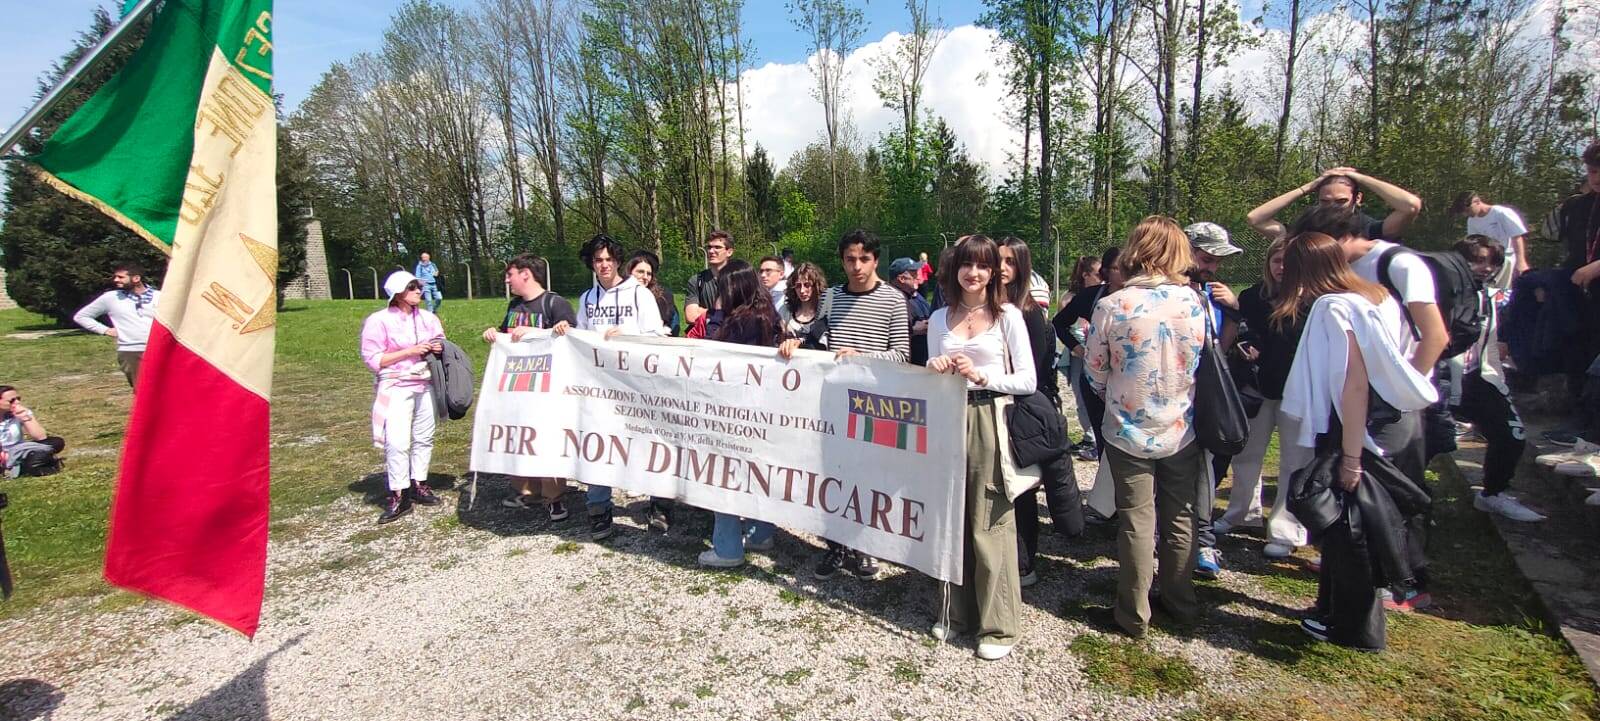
(26, 699)
(242, 698)
(373, 487)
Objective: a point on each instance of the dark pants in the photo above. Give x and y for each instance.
(1063, 500)
(1491, 412)
(1097, 411)
(1204, 537)
(1347, 588)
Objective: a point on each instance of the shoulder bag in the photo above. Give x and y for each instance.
(1220, 423)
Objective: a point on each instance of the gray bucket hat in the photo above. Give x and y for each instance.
(1211, 238)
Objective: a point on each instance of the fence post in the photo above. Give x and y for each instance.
(349, 285)
(469, 280)
(375, 288)
(1055, 282)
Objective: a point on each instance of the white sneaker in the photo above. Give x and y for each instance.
(1580, 450)
(942, 632)
(1507, 506)
(993, 651)
(1585, 467)
(710, 559)
(1277, 550)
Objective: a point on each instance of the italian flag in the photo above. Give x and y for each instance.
(180, 146)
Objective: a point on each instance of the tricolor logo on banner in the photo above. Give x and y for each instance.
(526, 373)
(888, 421)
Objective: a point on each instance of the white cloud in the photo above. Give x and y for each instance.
(783, 114)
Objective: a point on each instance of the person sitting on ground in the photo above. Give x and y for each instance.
(1143, 353)
(984, 340)
(1341, 187)
(1352, 390)
(1485, 399)
(748, 319)
(532, 307)
(28, 449)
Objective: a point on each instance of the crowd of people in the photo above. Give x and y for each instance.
(1363, 357)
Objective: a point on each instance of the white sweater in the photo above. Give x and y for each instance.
(988, 351)
(129, 314)
(1316, 379)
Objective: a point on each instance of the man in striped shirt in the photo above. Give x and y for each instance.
(864, 316)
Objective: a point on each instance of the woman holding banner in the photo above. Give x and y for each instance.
(394, 342)
(985, 340)
(749, 318)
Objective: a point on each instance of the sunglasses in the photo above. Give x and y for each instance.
(414, 285)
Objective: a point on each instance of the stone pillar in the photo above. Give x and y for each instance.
(6, 302)
(313, 284)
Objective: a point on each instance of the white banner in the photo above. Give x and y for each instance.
(865, 452)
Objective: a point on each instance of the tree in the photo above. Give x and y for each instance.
(758, 178)
(294, 208)
(59, 251)
(901, 73)
(833, 30)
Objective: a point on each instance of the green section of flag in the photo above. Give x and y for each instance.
(127, 149)
(127, 6)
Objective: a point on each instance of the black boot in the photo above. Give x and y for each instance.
(419, 492)
(396, 505)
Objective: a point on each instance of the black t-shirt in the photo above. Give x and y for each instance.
(1579, 229)
(542, 312)
(1375, 228)
(1276, 348)
(702, 289)
(1080, 307)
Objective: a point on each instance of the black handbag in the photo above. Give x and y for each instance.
(1220, 423)
(1038, 432)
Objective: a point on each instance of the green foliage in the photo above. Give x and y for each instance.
(1132, 668)
(58, 252)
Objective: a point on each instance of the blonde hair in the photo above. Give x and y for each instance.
(1159, 248)
(1269, 285)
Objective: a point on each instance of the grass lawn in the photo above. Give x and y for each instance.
(1482, 655)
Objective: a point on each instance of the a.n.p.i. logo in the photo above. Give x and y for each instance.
(888, 421)
(526, 373)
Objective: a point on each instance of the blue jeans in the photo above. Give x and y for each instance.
(431, 297)
(729, 533)
(598, 499)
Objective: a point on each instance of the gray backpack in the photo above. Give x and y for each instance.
(452, 382)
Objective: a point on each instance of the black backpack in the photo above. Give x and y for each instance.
(1455, 291)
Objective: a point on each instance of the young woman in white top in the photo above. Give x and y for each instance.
(984, 340)
(1349, 355)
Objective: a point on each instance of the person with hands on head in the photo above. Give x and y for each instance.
(1341, 187)
(863, 316)
(532, 307)
(615, 305)
(394, 342)
(984, 339)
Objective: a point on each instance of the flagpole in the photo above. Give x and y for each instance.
(14, 133)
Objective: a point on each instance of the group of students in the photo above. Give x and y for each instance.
(1342, 335)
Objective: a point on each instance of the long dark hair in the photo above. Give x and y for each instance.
(1016, 292)
(746, 302)
(971, 250)
(655, 287)
(1085, 265)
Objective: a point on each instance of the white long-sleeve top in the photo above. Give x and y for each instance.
(1316, 379)
(627, 306)
(130, 314)
(988, 351)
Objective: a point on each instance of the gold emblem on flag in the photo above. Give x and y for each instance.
(245, 318)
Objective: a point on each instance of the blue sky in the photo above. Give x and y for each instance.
(311, 34)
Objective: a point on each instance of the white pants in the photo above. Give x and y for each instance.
(408, 439)
(1244, 500)
(1103, 495)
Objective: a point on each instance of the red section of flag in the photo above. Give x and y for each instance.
(885, 432)
(850, 431)
(544, 382)
(922, 439)
(189, 521)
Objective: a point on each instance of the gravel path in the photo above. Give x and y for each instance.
(495, 613)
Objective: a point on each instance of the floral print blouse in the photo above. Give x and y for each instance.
(1142, 353)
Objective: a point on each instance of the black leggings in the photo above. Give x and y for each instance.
(1492, 414)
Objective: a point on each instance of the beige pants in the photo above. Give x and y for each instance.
(989, 602)
(128, 361)
(1156, 494)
